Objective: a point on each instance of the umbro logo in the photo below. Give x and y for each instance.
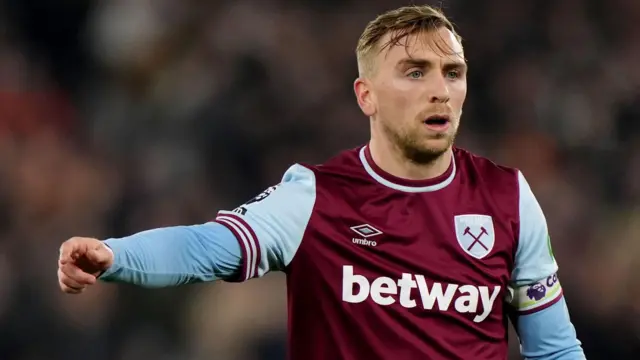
(365, 231)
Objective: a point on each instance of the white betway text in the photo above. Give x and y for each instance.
(386, 291)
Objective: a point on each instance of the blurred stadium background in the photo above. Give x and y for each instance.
(122, 115)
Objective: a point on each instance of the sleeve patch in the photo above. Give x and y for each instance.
(537, 296)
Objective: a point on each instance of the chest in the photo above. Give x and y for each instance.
(449, 237)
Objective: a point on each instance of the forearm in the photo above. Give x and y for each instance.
(174, 256)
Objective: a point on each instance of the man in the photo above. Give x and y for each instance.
(404, 248)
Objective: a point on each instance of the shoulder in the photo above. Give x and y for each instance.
(343, 166)
(481, 171)
(339, 172)
(300, 174)
(342, 161)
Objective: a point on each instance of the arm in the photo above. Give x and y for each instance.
(260, 236)
(541, 318)
(174, 256)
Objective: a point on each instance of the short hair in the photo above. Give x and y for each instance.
(399, 23)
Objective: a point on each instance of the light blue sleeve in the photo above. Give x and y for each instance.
(174, 256)
(270, 227)
(541, 315)
(259, 236)
(534, 283)
(549, 335)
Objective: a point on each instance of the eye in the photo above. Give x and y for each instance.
(452, 74)
(416, 74)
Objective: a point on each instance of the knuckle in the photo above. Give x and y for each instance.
(74, 240)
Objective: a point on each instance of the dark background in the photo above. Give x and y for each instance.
(122, 115)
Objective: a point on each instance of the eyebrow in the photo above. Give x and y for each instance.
(426, 64)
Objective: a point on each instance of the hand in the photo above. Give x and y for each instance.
(81, 261)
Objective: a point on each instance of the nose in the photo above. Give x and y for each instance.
(439, 92)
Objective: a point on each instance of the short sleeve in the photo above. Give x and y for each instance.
(534, 282)
(270, 227)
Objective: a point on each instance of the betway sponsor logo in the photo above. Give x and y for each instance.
(386, 291)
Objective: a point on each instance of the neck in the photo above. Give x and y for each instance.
(390, 159)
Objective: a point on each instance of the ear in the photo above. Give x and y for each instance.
(365, 96)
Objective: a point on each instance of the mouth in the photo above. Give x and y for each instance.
(438, 122)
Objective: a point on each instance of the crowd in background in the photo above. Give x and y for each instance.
(118, 116)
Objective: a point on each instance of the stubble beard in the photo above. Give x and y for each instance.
(415, 149)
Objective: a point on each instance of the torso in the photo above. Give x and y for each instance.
(433, 259)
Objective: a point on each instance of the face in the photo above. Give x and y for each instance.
(415, 94)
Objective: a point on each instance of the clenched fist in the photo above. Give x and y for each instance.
(81, 261)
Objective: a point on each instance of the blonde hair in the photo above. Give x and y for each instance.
(399, 23)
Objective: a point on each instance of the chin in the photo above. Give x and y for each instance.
(428, 151)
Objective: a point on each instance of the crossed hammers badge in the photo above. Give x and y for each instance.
(475, 234)
(476, 238)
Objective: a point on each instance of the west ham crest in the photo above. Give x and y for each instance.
(475, 234)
